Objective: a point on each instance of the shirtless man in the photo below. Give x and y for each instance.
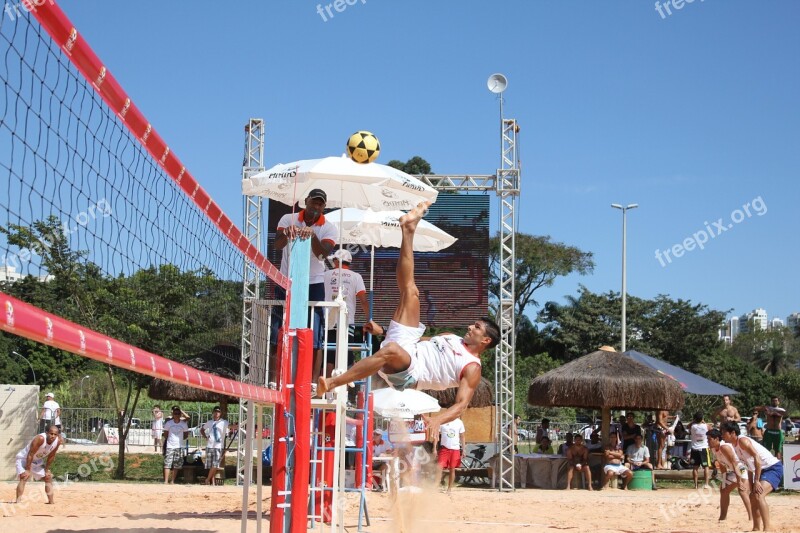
(407, 360)
(578, 459)
(727, 413)
(755, 428)
(613, 463)
(773, 435)
(661, 428)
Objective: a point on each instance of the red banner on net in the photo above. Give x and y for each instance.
(28, 321)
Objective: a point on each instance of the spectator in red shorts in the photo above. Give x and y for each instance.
(451, 442)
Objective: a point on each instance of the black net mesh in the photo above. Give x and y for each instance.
(91, 227)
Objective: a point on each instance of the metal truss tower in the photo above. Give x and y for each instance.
(252, 164)
(508, 191)
(507, 186)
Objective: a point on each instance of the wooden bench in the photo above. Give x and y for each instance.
(675, 475)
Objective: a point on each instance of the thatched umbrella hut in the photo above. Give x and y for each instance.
(605, 379)
(483, 397)
(220, 360)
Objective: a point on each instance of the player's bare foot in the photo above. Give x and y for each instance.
(323, 386)
(412, 218)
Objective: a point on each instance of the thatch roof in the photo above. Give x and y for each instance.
(605, 379)
(222, 360)
(483, 397)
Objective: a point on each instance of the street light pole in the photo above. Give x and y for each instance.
(29, 364)
(83, 378)
(624, 276)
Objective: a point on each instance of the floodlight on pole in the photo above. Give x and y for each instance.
(624, 277)
(29, 364)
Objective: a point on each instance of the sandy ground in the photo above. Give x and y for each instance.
(101, 507)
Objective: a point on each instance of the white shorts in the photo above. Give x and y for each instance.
(616, 469)
(407, 337)
(37, 468)
(730, 478)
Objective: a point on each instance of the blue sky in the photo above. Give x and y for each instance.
(691, 116)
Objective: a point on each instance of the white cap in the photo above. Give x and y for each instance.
(49, 395)
(342, 255)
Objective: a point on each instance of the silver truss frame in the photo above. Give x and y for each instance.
(508, 185)
(252, 164)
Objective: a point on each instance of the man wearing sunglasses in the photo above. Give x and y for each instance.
(35, 459)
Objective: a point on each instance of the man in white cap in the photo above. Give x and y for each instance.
(309, 223)
(51, 413)
(351, 285)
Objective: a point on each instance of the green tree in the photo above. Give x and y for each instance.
(676, 331)
(538, 263)
(526, 370)
(414, 166)
(582, 325)
(788, 383)
(773, 350)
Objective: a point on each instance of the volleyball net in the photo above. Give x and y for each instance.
(109, 247)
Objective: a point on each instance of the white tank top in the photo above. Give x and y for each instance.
(737, 467)
(43, 451)
(699, 439)
(765, 458)
(441, 361)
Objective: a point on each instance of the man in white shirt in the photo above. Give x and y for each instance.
(380, 448)
(214, 430)
(351, 284)
(175, 432)
(700, 454)
(309, 223)
(35, 459)
(51, 413)
(451, 442)
(639, 457)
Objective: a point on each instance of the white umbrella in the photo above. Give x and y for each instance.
(347, 184)
(370, 228)
(392, 403)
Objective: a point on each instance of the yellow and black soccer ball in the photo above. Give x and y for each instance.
(363, 147)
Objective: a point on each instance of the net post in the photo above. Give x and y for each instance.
(302, 433)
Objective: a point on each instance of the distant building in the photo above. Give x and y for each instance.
(775, 323)
(758, 319)
(793, 321)
(9, 274)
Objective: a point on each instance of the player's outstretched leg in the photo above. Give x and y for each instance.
(407, 312)
(391, 358)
